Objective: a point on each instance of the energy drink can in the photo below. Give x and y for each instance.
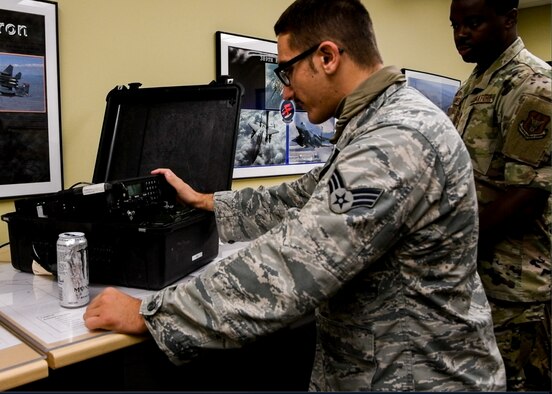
(72, 269)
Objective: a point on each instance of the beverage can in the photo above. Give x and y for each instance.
(72, 269)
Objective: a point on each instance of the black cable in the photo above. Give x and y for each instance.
(79, 184)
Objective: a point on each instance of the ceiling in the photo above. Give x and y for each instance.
(533, 3)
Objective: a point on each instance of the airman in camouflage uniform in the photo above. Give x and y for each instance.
(503, 114)
(379, 244)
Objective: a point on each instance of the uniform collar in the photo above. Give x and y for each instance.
(483, 80)
(363, 95)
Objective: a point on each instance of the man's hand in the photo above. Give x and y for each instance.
(116, 311)
(185, 193)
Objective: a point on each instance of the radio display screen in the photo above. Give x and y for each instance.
(134, 190)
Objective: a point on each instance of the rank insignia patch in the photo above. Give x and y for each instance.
(343, 199)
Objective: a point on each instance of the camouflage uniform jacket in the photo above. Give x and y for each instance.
(380, 243)
(503, 116)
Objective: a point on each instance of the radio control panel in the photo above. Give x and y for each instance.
(126, 200)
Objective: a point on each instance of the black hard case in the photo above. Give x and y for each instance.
(190, 129)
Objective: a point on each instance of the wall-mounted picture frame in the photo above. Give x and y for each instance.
(275, 136)
(30, 125)
(438, 88)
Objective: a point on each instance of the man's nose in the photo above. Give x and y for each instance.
(287, 93)
(461, 31)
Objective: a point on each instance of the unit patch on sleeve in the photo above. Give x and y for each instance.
(528, 136)
(534, 126)
(343, 199)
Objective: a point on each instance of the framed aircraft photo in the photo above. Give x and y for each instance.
(275, 136)
(439, 89)
(30, 131)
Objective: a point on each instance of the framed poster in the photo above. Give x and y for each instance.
(30, 131)
(275, 136)
(439, 89)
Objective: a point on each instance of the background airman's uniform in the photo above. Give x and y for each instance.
(504, 116)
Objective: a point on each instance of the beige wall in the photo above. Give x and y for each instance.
(104, 43)
(535, 29)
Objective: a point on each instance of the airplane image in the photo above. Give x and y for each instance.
(263, 127)
(308, 138)
(9, 84)
(253, 150)
(257, 147)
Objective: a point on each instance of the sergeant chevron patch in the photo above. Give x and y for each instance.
(343, 199)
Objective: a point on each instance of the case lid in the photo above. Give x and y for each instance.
(190, 129)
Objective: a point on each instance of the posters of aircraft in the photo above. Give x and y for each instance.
(22, 83)
(274, 137)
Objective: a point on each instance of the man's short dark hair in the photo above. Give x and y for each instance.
(345, 22)
(502, 7)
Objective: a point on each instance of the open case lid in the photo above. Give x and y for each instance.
(190, 129)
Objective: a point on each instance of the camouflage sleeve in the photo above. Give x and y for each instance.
(248, 213)
(525, 120)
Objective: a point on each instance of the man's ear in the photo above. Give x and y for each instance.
(511, 18)
(330, 56)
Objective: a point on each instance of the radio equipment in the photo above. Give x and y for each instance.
(124, 200)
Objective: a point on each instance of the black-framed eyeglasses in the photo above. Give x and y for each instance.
(283, 71)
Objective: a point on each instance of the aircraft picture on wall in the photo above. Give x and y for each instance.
(310, 142)
(308, 138)
(261, 139)
(262, 128)
(9, 83)
(275, 136)
(22, 83)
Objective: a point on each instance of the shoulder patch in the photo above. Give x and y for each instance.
(534, 126)
(343, 199)
(528, 135)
